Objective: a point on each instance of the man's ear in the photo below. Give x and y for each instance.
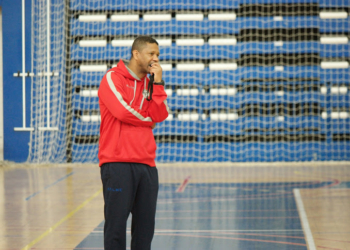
(135, 54)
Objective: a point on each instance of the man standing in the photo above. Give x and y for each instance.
(129, 112)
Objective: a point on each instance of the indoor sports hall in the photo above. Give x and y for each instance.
(255, 153)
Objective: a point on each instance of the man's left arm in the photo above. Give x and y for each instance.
(158, 108)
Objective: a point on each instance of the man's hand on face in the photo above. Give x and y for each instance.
(157, 71)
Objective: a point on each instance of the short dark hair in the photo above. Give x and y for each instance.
(141, 42)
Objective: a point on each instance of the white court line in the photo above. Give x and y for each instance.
(227, 230)
(252, 165)
(304, 221)
(213, 231)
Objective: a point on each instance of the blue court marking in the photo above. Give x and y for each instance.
(225, 216)
(59, 180)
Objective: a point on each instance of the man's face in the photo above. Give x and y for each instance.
(146, 56)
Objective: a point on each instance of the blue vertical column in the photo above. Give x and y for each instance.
(16, 143)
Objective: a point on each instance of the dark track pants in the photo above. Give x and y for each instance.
(129, 187)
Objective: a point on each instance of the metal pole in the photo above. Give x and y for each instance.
(23, 128)
(48, 73)
(48, 63)
(23, 65)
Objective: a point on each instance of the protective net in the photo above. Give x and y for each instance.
(246, 80)
(49, 99)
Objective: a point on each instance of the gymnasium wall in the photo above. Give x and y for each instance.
(274, 113)
(16, 143)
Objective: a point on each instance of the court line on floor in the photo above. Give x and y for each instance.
(60, 179)
(237, 232)
(214, 230)
(232, 238)
(259, 234)
(311, 164)
(225, 210)
(304, 220)
(329, 248)
(223, 199)
(333, 240)
(227, 217)
(182, 187)
(47, 232)
(335, 182)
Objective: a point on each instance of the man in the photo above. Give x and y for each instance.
(127, 146)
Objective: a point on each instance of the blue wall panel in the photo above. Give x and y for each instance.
(15, 143)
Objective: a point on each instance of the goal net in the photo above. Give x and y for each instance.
(247, 81)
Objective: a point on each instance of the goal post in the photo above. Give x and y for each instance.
(247, 81)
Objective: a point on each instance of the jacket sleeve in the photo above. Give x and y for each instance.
(158, 108)
(111, 95)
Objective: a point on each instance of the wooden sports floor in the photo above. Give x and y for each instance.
(201, 206)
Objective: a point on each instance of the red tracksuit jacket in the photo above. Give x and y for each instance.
(126, 117)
